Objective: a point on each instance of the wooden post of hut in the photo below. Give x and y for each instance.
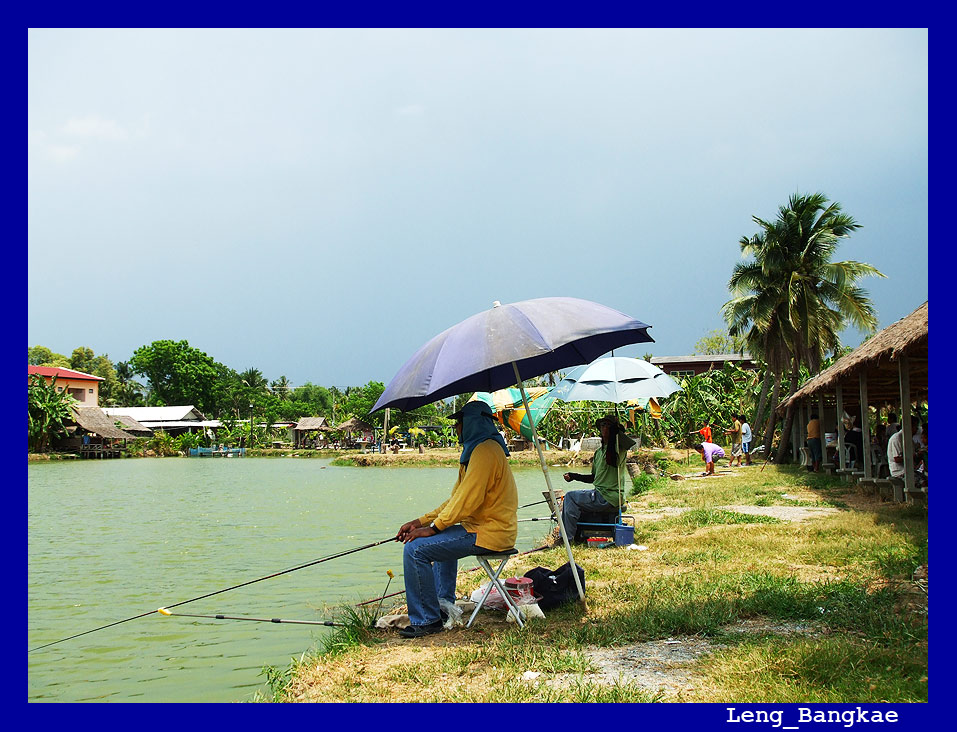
(907, 429)
(865, 427)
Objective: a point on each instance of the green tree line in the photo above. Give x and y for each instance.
(789, 302)
(170, 372)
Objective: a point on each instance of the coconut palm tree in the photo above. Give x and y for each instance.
(280, 387)
(129, 393)
(254, 379)
(791, 301)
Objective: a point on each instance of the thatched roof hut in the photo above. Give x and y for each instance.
(890, 369)
(354, 425)
(309, 424)
(879, 359)
(95, 421)
(132, 426)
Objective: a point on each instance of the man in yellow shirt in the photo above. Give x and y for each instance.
(736, 448)
(480, 517)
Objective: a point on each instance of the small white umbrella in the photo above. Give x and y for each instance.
(615, 379)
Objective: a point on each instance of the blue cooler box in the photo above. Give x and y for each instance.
(624, 535)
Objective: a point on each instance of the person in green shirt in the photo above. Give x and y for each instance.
(607, 468)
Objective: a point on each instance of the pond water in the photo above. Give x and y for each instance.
(115, 538)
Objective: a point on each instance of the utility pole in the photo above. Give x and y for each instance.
(385, 432)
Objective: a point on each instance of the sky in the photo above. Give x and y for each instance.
(318, 204)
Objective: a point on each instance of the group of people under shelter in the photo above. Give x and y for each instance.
(480, 517)
(887, 437)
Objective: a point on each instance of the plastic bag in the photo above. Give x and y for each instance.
(528, 611)
(494, 600)
(523, 596)
(454, 613)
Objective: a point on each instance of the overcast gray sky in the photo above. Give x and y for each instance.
(320, 203)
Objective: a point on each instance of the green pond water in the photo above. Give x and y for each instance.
(115, 538)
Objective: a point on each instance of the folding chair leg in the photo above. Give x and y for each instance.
(493, 576)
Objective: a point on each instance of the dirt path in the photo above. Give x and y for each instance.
(666, 667)
(785, 513)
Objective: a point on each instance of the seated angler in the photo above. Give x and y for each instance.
(479, 518)
(607, 467)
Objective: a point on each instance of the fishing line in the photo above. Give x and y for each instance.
(218, 592)
(258, 620)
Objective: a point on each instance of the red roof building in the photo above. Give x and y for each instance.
(85, 388)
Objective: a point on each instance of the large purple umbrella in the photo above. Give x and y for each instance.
(538, 336)
(503, 346)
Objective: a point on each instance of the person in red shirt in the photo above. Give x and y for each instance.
(705, 432)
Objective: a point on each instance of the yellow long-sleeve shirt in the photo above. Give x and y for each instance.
(484, 500)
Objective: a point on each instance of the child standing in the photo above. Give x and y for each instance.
(735, 433)
(745, 438)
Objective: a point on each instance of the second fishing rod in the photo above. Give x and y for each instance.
(165, 609)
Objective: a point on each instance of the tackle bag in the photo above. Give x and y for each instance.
(556, 587)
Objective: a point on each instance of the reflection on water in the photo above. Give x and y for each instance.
(116, 538)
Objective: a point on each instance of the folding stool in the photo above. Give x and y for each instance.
(493, 575)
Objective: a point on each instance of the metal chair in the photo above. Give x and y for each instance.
(493, 575)
(805, 455)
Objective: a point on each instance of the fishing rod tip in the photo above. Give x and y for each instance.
(163, 611)
(389, 572)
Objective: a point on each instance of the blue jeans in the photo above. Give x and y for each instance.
(575, 502)
(430, 564)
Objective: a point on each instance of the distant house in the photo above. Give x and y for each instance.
(307, 425)
(681, 366)
(172, 420)
(85, 388)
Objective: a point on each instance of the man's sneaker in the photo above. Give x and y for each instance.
(417, 631)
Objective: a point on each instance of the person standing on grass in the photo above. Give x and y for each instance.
(745, 439)
(480, 517)
(814, 441)
(709, 453)
(736, 450)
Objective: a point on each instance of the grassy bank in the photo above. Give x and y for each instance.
(449, 456)
(774, 586)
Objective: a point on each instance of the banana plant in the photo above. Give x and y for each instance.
(48, 412)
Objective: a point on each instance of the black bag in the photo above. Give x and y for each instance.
(556, 587)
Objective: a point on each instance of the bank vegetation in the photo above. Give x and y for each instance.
(762, 586)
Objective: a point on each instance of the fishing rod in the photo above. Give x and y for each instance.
(379, 599)
(218, 592)
(533, 504)
(543, 518)
(330, 623)
(384, 593)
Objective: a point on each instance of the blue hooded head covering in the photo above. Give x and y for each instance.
(478, 425)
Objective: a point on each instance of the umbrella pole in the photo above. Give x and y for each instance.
(548, 482)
